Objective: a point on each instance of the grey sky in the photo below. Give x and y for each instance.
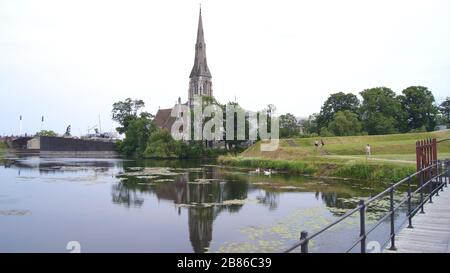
(70, 60)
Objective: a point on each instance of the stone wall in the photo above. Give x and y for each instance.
(73, 147)
(61, 144)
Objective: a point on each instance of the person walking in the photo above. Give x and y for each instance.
(368, 152)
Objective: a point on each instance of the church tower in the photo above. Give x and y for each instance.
(200, 78)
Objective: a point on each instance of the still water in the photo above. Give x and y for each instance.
(175, 206)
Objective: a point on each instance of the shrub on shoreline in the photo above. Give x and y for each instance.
(366, 171)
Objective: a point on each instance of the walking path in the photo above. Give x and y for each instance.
(431, 232)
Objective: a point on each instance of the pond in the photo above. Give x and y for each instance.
(113, 205)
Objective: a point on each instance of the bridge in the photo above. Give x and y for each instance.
(431, 232)
(17, 142)
(426, 227)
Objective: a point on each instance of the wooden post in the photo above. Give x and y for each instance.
(434, 149)
(417, 156)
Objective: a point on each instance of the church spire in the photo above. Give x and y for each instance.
(200, 65)
(200, 78)
(200, 38)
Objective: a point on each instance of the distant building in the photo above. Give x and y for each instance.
(200, 83)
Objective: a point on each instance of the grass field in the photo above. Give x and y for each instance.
(2, 148)
(393, 156)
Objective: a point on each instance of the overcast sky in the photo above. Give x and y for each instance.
(70, 60)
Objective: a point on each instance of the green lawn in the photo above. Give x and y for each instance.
(398, 147)
(2, 148)
(393, 156)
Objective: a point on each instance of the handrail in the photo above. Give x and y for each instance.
(442, 140)
(427, 178)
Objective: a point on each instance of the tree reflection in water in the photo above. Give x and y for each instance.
(205, 201)
(202, 198)
(125, 195)
(270, 199)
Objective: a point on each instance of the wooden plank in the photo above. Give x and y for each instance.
(431, 232)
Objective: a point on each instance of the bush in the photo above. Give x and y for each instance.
(364, 171)
(419, 130)
(345, 123)
(375, 172)
(325, 132)
(162, 145)
(136, 137)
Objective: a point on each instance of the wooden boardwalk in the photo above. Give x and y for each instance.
(431, 232)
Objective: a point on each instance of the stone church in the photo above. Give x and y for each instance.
(200, 83)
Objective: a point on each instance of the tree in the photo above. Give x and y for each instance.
(235, 143)
(161, 144)
(418, 104)
(125, 111)
(345, 123)
(444, 109)
(288, 126)
(310, 125)
(325, 132)
(337, 102)
(381, 111)
(136, 137)
(47, 133)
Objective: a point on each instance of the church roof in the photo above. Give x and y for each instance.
(163, 119)
(200, 65)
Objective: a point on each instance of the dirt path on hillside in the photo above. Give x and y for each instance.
(371, 159)
(291, 143)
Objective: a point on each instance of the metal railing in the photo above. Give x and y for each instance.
(431, 180)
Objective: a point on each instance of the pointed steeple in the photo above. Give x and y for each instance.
(200, 78)
(200, 38)
(200, 65)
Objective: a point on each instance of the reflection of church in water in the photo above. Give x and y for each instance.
(202, 198)
(201, 218)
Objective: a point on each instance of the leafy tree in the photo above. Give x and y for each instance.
(288, 126)
(345, 123)
(444, 109)
(419, 130)
(337, 102)
(418, 104)
(270, 111)
(325, 132)
(192, 149)
(47, 133)
(235, 143)
(136, 137)
(381, 111)
(161, 144)
(310, 125)
(206, 101)
(125, 111)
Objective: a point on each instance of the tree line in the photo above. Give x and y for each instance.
(143, 139)
(380, 111)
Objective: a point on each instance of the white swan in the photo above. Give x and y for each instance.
(269, 172)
